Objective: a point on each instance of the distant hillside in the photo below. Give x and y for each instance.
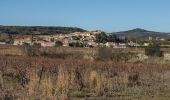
(142, 34)
(38, 30)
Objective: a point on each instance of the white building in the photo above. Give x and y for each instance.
(120, 45)
(2, 43)
(146, 44)
(21, 41)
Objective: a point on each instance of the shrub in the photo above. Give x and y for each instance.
(58, 43)
(108, 54)
(78, 94)
(31, 50)
(27, 49)
(153, 50)
(76, 44)
(134, 79)
(101, 38)
(123, 57)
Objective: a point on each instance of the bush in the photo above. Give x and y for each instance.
(105, 53)
(134, 80)
(101, 38)
(58, 43)
(31, 50)
(76, 44)
(153, 50)
(78, 94)
(123, 57)
(134, 77)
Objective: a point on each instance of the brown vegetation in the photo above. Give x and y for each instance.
(57, 79)
(68, 73)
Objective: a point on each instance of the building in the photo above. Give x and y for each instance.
(146, 44)
(150, 38)
(120, 45)
(44, 41)
(2, 43)
(21, 41)
(131, 43)
(47, 44)
(110, 44)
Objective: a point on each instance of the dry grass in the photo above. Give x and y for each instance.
(58, 79)
(18, 50)
(9, 50)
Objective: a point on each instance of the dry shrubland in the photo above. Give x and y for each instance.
(23, 78)
(70, 74)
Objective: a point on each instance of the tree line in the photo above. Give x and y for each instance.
(105, 37)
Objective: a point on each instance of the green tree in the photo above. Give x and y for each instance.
(11, 39)
(76, 44)
(58, 43)
(101, 38)
(113, 38)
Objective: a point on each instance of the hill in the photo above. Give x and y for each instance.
(142, 34)
(38, 30)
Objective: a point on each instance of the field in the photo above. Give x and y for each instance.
(79, 74)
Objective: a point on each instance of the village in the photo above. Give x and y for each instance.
(76, 39)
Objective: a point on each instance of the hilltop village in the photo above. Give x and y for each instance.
(87, 38)
(78, 39)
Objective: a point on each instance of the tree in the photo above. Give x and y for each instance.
(75, 38)
(101, 38)
(36, 45)
(58, 43)
(31, 50)
(52, 39)
(27, 49)
(11, 39)
(76, 44)
(113, 38)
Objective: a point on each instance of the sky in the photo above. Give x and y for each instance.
(106, 15)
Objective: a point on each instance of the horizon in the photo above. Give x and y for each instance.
(85, 29)
(108, 16)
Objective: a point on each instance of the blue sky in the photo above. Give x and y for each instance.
(107, 15)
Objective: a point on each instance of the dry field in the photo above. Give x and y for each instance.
(37, 78)
(60, 75)
(17, 50)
